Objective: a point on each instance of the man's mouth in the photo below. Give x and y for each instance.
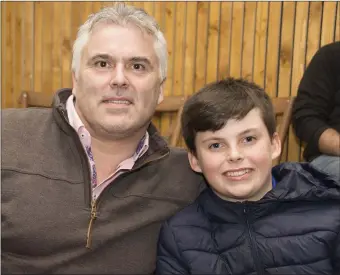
(115, 101)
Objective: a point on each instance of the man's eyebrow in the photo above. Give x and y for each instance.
(141, 59)
(100, 56)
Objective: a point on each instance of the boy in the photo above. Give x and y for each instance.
(252, 219)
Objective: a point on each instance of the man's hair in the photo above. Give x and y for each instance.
(213, 105)
(121, 14)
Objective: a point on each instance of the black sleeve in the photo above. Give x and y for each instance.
(169, 259)
(315, 98)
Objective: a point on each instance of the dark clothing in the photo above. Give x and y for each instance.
(293, 229)
(46, 194)
(317, 105)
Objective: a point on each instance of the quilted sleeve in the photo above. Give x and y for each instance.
(337, 256)
(169, 260)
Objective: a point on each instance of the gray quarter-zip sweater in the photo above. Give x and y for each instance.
(47, 216)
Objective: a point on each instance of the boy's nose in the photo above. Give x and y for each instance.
(234, 154)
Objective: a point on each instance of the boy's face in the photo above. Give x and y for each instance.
(237, 159)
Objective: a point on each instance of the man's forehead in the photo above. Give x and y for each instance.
(123, 42)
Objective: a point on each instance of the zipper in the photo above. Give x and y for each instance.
(92, 218)
(95, 203)
(258, 263)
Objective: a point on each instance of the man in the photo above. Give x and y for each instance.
(316, 112)
(87, 184)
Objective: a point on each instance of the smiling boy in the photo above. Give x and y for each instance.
(253, 219)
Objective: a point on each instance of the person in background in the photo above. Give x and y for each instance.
(87, 183)
(253, 219)
(316, 110)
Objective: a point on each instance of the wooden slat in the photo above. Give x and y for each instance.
(213, 38)
(248, 40)
(149, 7)
(314, 26)
(179, 48)
(286, 54)
(201, 46)
(273, 48)
(86, 11)
(337, 30)
(169, 26)
(236, 39)
(159, 11)
(190, 48)
(38, 40)
(27, 45)
(298, 68)
(3, 72)
(260, 43)
(17, 56)
(225, 40)
(47, 46)
(66, 49)
(286, 49)
(328, 22)
(8, 32)
(57, 43)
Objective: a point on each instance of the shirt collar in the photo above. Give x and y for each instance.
(77, 124)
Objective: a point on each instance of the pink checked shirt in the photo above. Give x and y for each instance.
(85, 139)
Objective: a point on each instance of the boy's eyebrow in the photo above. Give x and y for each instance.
(216, 138)
(248, 131)
(210, 139)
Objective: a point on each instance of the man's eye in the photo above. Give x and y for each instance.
(101, 64)
(138, 67)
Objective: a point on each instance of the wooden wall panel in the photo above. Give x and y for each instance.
(270, 43)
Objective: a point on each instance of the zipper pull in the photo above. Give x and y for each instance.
(92, 218)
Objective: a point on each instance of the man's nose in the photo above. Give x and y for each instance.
(119, 76)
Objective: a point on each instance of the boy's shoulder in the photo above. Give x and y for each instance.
(191, 216)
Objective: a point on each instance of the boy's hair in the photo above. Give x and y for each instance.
(213, 105)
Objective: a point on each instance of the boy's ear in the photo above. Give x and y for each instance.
(194, 163)
(276, 146)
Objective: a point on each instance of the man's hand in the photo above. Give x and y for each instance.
(329, 142)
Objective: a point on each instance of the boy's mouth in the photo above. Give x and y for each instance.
(237, 173)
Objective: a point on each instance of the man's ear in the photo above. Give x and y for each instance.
(161, 92)
(194, 163)
(74, 83)
(276, 146)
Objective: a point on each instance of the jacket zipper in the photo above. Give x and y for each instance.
(95, 203)
(258, 263)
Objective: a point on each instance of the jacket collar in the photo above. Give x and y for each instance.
(294, 182)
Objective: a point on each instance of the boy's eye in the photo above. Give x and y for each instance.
(249, 139)
(215, 146)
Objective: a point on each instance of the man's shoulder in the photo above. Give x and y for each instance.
(24, 116)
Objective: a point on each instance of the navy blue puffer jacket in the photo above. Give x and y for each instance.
(293, 229)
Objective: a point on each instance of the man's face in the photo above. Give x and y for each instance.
(118, 84)
(237, 159)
